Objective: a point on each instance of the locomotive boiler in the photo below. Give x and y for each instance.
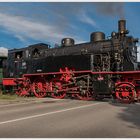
(102, 67)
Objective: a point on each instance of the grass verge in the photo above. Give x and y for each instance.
(8, 97)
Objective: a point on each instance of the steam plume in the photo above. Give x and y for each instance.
(111, 8)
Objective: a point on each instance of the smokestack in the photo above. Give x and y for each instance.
(122, 26)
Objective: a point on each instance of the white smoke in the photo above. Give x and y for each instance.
(3, 51)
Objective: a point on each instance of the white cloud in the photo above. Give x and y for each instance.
(3, 51)
(85, 18)
(21, 38)
(23, 28)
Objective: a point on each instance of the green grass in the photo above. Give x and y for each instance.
(8, 97)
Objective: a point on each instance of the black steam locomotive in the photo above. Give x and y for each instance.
(96, 69)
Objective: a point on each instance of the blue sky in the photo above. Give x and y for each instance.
(23, 24)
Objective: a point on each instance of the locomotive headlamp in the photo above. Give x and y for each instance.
(122, 32)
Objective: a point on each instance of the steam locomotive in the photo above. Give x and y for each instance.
(103, 67)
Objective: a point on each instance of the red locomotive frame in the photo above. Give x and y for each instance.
(66, 82)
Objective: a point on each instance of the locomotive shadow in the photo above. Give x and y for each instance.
(130, 113)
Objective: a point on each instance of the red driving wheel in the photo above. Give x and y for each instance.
(125, 92)
(39, 87)
(57, 90)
